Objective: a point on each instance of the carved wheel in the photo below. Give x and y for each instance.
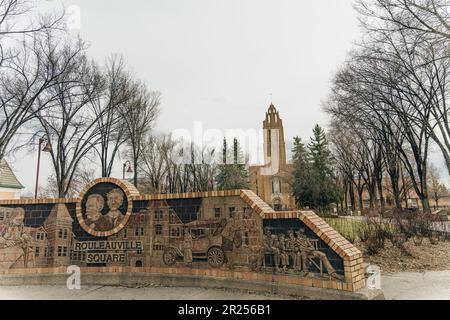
(170, 257)
(216, 257)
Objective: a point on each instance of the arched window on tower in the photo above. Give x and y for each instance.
(269, 143)
(276, 185)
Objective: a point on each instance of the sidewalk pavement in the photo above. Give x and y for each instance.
(433, 285)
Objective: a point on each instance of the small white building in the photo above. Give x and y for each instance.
(10, 187)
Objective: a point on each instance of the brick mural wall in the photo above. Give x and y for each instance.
(229, 234)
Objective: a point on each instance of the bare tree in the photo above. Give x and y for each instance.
(83, 177)
(392, 92)
(345, 153)
(26, 82)
(437, 189)
(423, 16)
(20, 18)
(70, 123)
(23, 76)
(23, 17)
(370, 91)
(156, 162)
(169, 166)
(202, 168)
(173, 154)
(414, 37)
(139, 114)
(107, 106)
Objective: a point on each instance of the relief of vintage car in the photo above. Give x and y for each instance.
(207, 244)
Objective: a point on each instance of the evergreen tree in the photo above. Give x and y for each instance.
(302, 170)
(224, 152)
(235, 175)
(320, 153)
(314, 183)
(236, 151)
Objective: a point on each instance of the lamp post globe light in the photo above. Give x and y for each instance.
(46, 148)
(127, 168)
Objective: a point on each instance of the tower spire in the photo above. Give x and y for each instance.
(275, 149)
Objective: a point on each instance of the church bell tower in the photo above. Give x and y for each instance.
(274, 144)
(271, 180)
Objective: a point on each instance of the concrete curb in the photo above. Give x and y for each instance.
(164, 280)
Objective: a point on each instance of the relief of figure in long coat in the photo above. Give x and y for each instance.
(15, 239)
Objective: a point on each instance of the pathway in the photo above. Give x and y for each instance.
(433, 285)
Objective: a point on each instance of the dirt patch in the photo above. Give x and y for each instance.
(425, 257)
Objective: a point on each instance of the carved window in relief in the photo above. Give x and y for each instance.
(198, 233)
(232, 211)
(175, 232)
(174, 218)
(247, 212)
(40, 236)
(139, 232)
(159, 215)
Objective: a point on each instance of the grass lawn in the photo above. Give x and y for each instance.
(348, 228)
(352, 229)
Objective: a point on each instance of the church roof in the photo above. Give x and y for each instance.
(7, 177)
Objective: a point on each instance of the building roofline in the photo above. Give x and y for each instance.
(12, 186)
(19, 185)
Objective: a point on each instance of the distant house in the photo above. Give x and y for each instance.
(10, 187)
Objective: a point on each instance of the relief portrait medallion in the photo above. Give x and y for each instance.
(104, 207)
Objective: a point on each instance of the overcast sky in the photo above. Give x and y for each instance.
(218, 61)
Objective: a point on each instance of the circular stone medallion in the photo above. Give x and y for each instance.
(104, 207)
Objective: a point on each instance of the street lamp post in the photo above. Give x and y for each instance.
(129, 170)
(47, 148)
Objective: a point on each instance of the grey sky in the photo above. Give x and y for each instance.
(217, 61)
